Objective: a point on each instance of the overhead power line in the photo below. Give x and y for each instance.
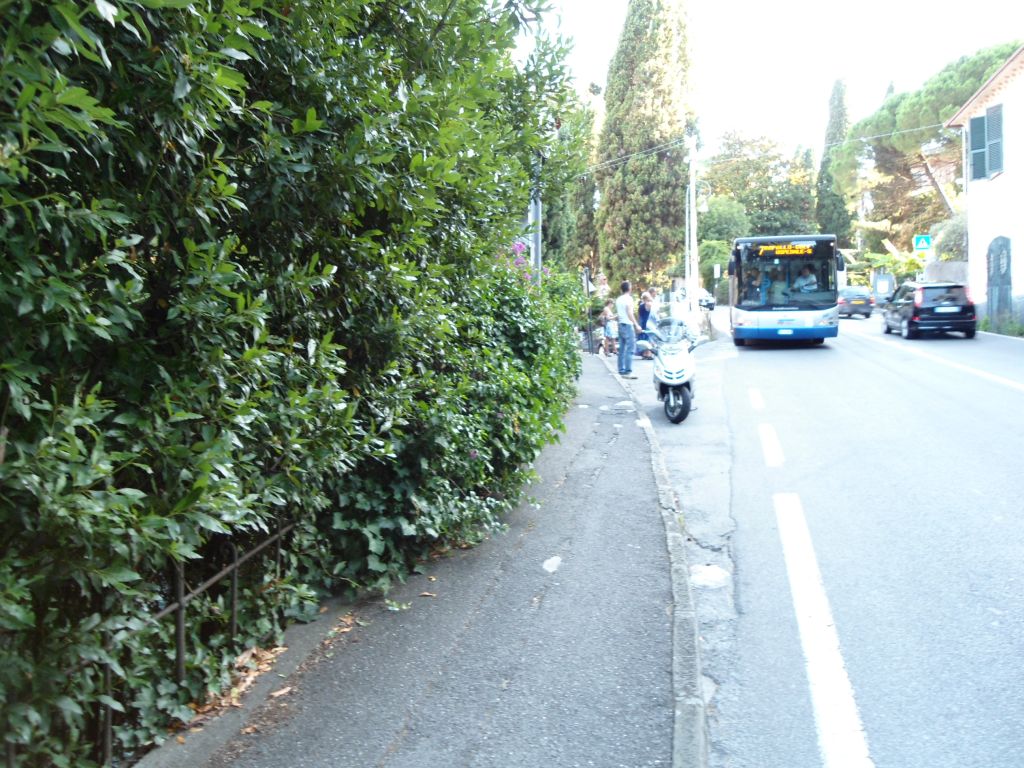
(612, 162)
(887, 135)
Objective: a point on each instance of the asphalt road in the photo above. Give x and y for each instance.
(856, 523)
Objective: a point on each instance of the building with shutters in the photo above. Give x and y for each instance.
(992, 125)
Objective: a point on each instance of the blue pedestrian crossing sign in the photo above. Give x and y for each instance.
(922, 242)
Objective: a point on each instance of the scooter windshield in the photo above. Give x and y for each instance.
(672, 330)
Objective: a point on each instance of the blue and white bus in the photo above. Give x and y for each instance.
(784, 288)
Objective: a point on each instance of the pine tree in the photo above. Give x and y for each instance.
(830, 211)
(904, 199)
(641, 152)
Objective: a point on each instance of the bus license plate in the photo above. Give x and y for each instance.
(785, 331)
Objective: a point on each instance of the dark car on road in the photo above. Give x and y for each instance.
(855, 300)
(918, 307)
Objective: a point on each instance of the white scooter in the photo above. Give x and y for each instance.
(674, 365)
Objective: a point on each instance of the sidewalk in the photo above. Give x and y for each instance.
(569, 639)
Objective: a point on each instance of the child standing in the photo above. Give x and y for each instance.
(611, 327)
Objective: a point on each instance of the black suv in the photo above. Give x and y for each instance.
(923, 306)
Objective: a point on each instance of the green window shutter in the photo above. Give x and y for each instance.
(994, 138)
(977, 143)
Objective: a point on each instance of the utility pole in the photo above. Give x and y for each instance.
(534, 221)
(691, 220)
(686, 247)
(535, 236)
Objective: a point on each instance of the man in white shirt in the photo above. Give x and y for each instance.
(805, 281)
(628, 327)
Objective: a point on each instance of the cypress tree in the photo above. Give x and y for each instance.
(830, 211)
(641, 153)
(797, 197)
(579, 244)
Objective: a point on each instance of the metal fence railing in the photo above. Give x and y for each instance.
(104, 741)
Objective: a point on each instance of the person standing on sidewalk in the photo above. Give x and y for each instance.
(646, 314)
(627, 330)
(610, 323)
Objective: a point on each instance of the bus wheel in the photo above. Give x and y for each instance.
(739, 342)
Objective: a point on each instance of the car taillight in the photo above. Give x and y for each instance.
(967, 292)
(918, 297)
(842, 300)
(872, 300)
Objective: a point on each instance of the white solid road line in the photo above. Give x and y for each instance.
(841, 737)
(770, 446)
(994, 378)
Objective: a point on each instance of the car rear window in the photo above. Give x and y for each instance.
(945, 294)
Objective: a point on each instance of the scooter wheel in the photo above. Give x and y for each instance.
(677, 404)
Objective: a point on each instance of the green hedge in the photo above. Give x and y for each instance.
(256, 268)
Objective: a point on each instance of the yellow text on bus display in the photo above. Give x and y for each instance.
(787, 250)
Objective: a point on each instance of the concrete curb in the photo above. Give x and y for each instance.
(1002, 335)
(689, 737)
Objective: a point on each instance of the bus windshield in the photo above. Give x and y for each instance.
(785, 273)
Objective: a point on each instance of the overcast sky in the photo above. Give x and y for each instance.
(767, 69)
